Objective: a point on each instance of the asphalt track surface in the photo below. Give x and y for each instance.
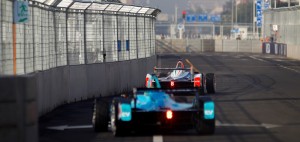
(257, 99)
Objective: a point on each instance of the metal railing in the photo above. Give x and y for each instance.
(56, 36)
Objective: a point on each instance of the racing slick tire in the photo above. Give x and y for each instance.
(203, 126)
(100, 116)
(210, 83)
(118, 128)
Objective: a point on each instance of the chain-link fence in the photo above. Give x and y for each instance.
(66, 32)
(282, 25)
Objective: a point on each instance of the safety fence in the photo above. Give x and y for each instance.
(282, 25)
(67, 32)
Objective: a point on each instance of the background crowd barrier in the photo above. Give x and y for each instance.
(274, 48)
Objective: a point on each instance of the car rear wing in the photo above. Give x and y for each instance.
(185, 69)
(172, 68)
(180, 92)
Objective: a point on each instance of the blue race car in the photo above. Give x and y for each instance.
(181, 77)
(149, 108)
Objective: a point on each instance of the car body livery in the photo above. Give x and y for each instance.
(149, 108)
(181, 77)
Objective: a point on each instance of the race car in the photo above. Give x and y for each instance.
(181, 77)
(154, 108)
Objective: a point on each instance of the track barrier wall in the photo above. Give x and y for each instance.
(207, 45)
(24, 98)
(68, 51)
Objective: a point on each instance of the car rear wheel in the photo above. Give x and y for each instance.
(205, 127)
(116, 125)
(100, 116)
(202, 125)
(210, 83)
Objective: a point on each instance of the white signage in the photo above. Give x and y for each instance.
(275, 27)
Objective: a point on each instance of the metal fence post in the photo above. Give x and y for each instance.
(67, 30)
(136, 37)
(202, 45)
(117, 21)
(103, 39)
(251, 46)
(67, 42)
(42, 45)
(49, 51)
(84, 37)
(33, 39)
(145, 48)
(128, 35)
(150, 38)
(222, 45)
(153, 33)
(1, 35)
(237, 46)
(24, 48)
(55, 35)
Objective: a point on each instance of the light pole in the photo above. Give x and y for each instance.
(253, 26)
(232, 15)
(235, 12)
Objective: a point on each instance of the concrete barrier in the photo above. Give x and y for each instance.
(24, 98)
(18, 109)
(67, 84)
(207, 45)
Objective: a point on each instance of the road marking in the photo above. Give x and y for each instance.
(276, 64)
(188, 61)
(157, 138)
(258, 59)
(64, 127)
(288, 68)
(264, 125)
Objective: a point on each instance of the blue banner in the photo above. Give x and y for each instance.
(119, 45)
(202, 18)
(215, 18)
(191, 18)
(259, 13)
(127, 45)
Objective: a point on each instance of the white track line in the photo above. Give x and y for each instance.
(157, 138)
(294, 70)
(258, 59)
